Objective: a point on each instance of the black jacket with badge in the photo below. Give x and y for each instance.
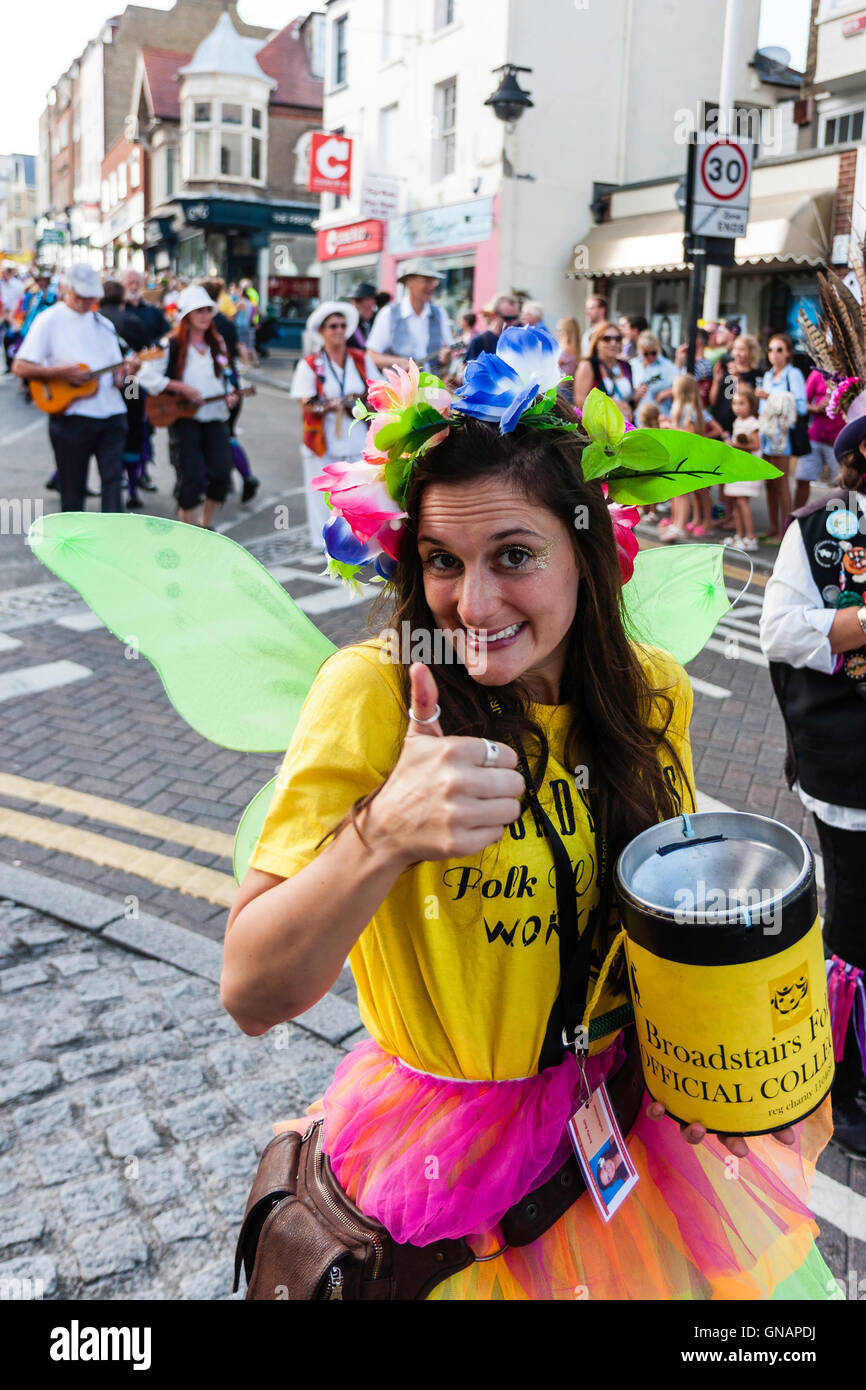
(825, 715)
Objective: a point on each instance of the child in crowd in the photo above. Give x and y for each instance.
(745, 435)
(687, 413)
(649, 417)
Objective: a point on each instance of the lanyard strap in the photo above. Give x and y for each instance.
(575, 948)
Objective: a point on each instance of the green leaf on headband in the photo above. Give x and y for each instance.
(656, 465)
(596, 461)
(394, 472)
(427, 379)
(602, 420)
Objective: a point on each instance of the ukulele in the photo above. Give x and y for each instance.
(166, 408)
(54, 394)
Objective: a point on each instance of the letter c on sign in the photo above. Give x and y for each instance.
(332, 157)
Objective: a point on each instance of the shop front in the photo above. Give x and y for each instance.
(234, 238)
(637, 261)
(461, 240)
(348, 255)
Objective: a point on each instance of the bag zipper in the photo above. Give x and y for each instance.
(335, 1284)
(370, 1236)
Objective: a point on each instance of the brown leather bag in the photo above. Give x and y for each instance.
(302, 1238)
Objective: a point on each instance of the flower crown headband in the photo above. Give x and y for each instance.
(412, 412)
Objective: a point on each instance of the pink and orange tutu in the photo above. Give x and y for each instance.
(432, 1157)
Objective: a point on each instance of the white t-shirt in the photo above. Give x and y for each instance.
(350, 441)
(198, 372)
(419, 329)
(60, 335)
(11, 292)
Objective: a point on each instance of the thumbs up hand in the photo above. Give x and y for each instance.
(444, 799)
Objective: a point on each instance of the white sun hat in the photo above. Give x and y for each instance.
(193, 297)
(328, 309)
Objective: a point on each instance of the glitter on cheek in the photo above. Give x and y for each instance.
(543, 556)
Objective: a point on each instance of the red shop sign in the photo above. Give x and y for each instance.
(331, 165)
(357, 239)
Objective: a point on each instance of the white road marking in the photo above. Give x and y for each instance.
(8, 644)
(740, 633)
(715, 692)
(741, 625)
(832, 1201)
(19, 434)
(80, 622)
(284, 573)
(743, 654)
(329, 600)
(30, 680)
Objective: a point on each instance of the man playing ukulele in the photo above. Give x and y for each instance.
(60, 340)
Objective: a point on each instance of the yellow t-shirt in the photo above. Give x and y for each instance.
(458, 970)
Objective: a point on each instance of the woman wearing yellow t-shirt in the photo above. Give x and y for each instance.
(404, 836)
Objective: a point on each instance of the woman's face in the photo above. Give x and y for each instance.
(610, 345)
(607, 1171)
(778, 353)
(500, 569)
(201, 319)
(740, 356)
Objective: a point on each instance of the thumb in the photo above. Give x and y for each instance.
(425, 696)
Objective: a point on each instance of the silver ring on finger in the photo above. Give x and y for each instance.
(432, 720)
(491, 757)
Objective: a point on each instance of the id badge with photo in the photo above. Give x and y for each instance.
(605, 1162)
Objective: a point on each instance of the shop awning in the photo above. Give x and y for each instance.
(784, 229)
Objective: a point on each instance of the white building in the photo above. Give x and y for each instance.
(17, 205)
(496, 207)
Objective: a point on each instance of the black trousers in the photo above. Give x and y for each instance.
(75, 439)
(190, 442)
(844, 854)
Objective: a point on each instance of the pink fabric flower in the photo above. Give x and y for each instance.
(358, 492)
(397, 398)
(623, 520)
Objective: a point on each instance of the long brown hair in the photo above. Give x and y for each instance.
(182, 332)
(603, 680)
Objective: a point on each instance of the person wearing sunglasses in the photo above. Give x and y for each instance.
(506, 312)
(653, 374)
(605, 369)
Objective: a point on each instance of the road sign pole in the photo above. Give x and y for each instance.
(696, 297)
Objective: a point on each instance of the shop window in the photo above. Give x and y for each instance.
(445, 111)
(341, 50)
(232, 113)
(231, 155)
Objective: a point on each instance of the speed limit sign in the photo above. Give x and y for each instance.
(720, 197)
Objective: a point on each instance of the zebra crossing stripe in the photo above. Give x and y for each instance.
(32, 680)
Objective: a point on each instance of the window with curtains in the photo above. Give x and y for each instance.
(224, 140)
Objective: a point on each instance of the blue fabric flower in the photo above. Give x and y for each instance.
(342, 543)
(502, 385)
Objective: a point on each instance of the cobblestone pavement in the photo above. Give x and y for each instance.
(132, 1112)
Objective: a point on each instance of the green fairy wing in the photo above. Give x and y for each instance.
(676, 597)
(250, 828)
(235, 654)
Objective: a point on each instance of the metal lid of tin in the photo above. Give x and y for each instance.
(714, 869)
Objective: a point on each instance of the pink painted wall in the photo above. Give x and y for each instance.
(486, 262)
